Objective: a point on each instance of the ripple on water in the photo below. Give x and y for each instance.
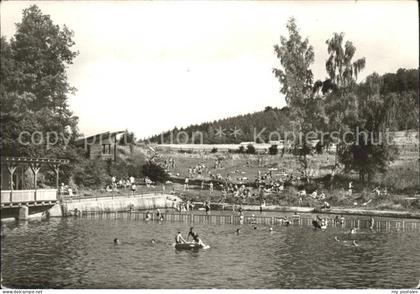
(79, 253)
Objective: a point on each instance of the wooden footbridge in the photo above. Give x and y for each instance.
(18, 202)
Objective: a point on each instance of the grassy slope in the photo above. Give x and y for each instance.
(402, 180)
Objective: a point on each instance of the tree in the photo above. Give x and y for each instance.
(250, 149)
(295, 56)
(127, 138)
(403, 86)
(368, 150)
(296, 79)
(340, 100)
(34, 85)
(273, 150)
(340, 67)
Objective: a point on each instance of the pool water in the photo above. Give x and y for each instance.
(79, 253)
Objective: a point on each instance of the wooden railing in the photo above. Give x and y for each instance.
(22, 196)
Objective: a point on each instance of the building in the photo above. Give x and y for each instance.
(101, 146)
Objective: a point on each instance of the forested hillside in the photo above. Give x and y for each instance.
(399, 90)
(235, 129)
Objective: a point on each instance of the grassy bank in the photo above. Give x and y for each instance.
(402, 181)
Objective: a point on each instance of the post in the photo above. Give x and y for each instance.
(23, 213)
(22, 176)
(57, 173)
(56, 169)
(35, 169)
(11, 169)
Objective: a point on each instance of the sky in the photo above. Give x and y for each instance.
(150, 66)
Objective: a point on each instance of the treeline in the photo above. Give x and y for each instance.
(399, 90)
(232, 130)
(35, 118)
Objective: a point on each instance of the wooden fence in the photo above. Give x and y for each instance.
(219, 219)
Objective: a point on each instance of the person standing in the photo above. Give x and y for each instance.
(133, 188)
(191, 233)
(371, 223)
(207, 206)
(241, 218)
(113, 181)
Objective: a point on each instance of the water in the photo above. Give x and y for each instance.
(79, 253)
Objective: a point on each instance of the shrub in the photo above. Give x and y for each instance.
(250, 149)
(91, 173)
(273, 150)
(155, 172)
(213, 150)
(118, 169)
(241, 149)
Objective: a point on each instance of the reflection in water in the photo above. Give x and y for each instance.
(80, 253)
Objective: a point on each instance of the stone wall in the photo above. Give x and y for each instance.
(112, 204)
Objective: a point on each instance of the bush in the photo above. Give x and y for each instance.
(155, 172)
(241, 149)
(213, 150)
(91, 173)
(250, 149)
(118, 169)
(273, 150)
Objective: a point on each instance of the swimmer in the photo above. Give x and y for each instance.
(355, 244)
(241, 219)
(285, 221)
(255, 227)
(353, 231)
(238, 231)
(253, 220)
(270, 229)
(198, 241)
(117, 241)
(336, 239)
(316, 224)
(147, 216)
(153, 241)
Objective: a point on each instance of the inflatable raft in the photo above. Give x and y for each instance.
(190, 246)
